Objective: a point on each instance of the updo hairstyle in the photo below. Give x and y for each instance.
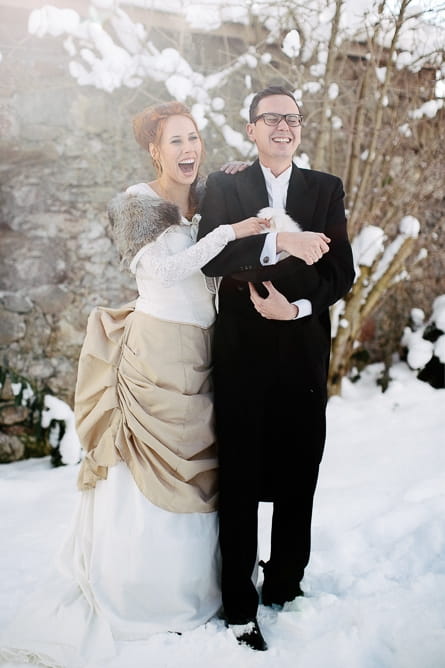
(148, 126)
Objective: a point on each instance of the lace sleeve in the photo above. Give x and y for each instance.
(159, 262)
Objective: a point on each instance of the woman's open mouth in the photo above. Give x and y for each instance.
(187, 167)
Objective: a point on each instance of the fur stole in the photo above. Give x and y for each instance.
(138, 219)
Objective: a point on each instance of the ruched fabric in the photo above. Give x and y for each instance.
(143, 396)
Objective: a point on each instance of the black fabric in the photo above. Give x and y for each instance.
(270, 378)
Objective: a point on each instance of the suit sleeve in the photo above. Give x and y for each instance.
(323, 283)
(219, 207)
(336, 269)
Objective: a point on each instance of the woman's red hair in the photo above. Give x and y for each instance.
(148, 126)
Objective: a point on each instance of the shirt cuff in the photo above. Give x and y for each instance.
(269, 252)
(304, 308)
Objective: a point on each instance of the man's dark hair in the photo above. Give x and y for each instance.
(267, 92)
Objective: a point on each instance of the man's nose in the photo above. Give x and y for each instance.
(283, 124)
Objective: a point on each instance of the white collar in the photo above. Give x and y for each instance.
(282, 178)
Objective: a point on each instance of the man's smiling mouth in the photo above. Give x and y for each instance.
(282, 140)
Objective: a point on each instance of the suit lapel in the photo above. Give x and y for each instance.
(251, 189)
(301, 198)
(301, 194)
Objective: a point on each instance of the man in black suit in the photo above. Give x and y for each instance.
(271, 356)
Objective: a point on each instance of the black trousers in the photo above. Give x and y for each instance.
(271, 432)
(290, 550)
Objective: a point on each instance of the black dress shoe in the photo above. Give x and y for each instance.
(249, 634)
(276, 601)
(272, 593)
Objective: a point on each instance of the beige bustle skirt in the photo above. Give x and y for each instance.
(143, 396)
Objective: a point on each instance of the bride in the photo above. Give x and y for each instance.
(142, 554)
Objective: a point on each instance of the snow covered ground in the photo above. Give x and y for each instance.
(375, 586)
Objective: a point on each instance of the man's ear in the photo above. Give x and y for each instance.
(250, 131)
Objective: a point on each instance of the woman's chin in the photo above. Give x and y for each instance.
(187, 178)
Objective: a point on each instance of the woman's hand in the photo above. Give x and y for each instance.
(250, 226)
(308, 246)
(234, 166)
(275, 306)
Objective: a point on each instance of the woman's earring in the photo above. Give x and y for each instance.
(156, 163)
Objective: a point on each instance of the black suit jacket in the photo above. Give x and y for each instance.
(271, 374)
(315, 201)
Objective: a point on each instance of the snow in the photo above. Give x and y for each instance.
(438, 314)
(69, 445)
(409, 226)
(375, 585)
(311, 86)
(381, 74)
(218, 103)
(428, 109)
(53, 21)
(417, 317)
(405, 130)
(26, 392)
(420, 351)
(108, 50)
(302, 160)
(367, 245)
(376, 581)
(292, 44)
(439, 348)
(333, 91)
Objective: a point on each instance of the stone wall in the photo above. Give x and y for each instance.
(65, 151)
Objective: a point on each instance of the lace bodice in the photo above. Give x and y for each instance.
(163, 260)
(168, 275)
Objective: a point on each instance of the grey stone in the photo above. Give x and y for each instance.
(51, 298)
(6, 391)
(11, 448)
(41, 369)
(12, 327)
(11, 414)
(16, 302)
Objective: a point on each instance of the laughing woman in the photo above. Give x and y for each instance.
(142, 554)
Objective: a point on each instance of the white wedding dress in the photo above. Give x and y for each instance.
(129, 568)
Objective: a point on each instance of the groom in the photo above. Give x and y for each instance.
(271, 356)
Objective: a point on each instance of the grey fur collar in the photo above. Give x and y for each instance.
(137, 219)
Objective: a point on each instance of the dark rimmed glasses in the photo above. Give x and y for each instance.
(271, 118)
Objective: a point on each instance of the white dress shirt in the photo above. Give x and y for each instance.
(277, 187)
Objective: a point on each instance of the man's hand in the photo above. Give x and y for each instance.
(234, 166)
(275, 306)
(308, 246)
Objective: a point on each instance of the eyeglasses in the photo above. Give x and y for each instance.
(293, 120)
